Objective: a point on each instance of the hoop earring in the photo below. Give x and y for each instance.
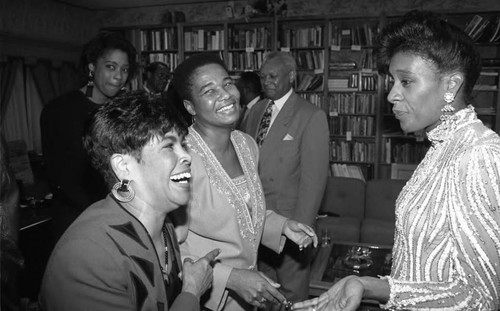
(123, 186)
(90, 84)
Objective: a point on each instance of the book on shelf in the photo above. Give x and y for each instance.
(487, 81)
(402, 171)
(352, 151)
(309, 82)
(158, 39)
(476, 27)
(495, 30)
(344, 170)
(351, 103)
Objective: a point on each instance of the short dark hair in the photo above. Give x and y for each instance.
(125, 125)
(251, 80)
(183, 74)
(101, 44)
(151, 68)
(431, 37)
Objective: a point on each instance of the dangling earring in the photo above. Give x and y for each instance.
(193, 119)
(123, 186)
(449, 97)
(90, 84)
(448, 110)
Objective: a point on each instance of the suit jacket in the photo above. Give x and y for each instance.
(106, 260)
(219, 218)
(293, 164)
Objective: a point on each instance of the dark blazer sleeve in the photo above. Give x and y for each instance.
(314, 159)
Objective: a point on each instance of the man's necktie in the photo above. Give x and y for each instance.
(265, 123)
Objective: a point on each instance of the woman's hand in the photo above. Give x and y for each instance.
(345, 295)
(254, 287)
(300, 234)
(197, 275)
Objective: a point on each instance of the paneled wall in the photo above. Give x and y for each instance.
(216, 11)
(44, 29)
(50, 29)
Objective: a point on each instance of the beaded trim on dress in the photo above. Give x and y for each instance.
(218, 177)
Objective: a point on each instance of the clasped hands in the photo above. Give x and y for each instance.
(299, 233)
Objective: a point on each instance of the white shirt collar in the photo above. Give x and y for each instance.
(279, 103)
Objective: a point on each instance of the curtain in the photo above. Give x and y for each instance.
(15, 118)
(26, 87)
(7, 78)
(53, 80)
(34, 107)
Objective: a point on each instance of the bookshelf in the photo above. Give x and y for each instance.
(305, 39)
(248, 43)
(336, 72)
(352, 91)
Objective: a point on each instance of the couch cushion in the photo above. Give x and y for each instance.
(381, 195)
(376, 231)
(344, 197)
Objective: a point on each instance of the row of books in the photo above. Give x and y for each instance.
(301, 37)
(348, 60)
(352, 82)
(241, 61)
(345, 36)
(487, 81)
(309, 82)
(344, 170)
(315, 98)
(484, 29)
(310, 60)
(159, 39)
(171, 59)
(352, 151)
(352, 125)
(351, 103)
(403, 152)
(257, 38)
(204, 40)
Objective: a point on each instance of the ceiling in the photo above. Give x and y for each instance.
(120, 4)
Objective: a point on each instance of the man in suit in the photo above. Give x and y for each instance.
(293, 165)
(250, 91)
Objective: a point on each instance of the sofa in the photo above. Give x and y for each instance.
(353, 210)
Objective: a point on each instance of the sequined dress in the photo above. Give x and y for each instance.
(447, 241)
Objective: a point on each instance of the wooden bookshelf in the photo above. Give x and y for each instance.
(336, 72)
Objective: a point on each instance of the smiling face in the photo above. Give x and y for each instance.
(110, 74)
(417, 94)
(276, 78)
(162, 176)
(214, 97)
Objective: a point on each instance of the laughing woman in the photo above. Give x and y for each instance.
(121, 253)
(227, 210)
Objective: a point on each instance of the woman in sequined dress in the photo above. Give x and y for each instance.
(227, 209)
(447, 240)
